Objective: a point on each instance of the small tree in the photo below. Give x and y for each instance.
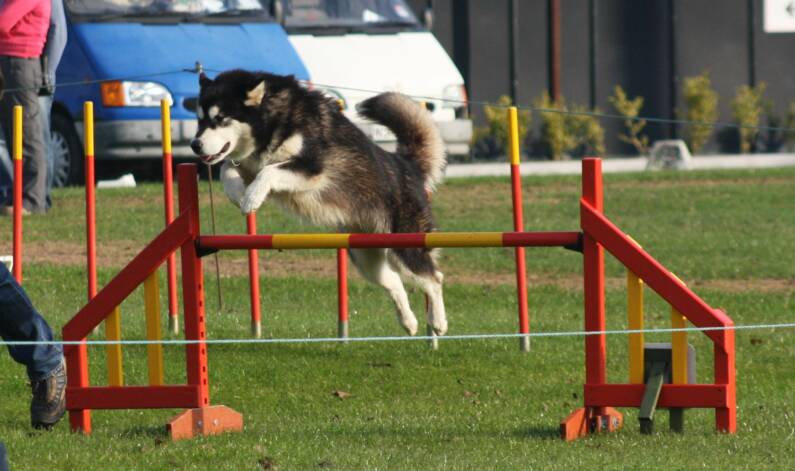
(493, 138)
(747, 109)
(630, 110)
(789, 125)
(701, 104)
(564, 130)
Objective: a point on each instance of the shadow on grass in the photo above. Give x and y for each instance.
(537, 431)
(155, 432)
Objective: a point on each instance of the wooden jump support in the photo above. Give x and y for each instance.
(598, 233)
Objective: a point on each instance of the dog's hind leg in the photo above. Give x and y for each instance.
(373, 265)
(419, 265)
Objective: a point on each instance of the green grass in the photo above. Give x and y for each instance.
(476, 404)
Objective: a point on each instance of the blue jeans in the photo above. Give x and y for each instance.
(19, 321)
(3, 461)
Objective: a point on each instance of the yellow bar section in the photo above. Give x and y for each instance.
(678, 348)
(635, 322)
(154, 352)
(113, 351)
(17, 133)
(513, 135)
(165, 125)
(308, 241)
(464, 239)
(88, 126)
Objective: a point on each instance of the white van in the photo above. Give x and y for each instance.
(353, 48)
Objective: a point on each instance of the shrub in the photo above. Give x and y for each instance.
(630, 110)
(747, 109)
(491, 141)
(701, 103)
(568, 131)
(789, 123)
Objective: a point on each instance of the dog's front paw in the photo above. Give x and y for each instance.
(252, 199)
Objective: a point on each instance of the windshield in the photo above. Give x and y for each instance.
(149, 8)
(319, 13)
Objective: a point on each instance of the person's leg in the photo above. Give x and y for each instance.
(24, 75)
(6, 172)
(45, 108)
(19, 320)
(3, 460)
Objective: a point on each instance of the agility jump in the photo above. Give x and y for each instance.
(597, 234)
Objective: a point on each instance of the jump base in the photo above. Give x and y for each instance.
(205, 421)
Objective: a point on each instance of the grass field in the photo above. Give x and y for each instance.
(478, 404)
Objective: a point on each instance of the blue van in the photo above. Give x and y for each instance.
(127, 55)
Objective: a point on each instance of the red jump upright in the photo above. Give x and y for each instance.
(81, 397)
(599, 397)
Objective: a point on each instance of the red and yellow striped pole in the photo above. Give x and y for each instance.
(253, 276)
(91, 234)
(342, 281)
(168, 194)
(518, 226)
(17, 157)
(113, 357)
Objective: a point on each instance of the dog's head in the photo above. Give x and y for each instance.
(228, 108)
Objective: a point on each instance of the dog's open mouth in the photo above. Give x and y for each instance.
(211, 159)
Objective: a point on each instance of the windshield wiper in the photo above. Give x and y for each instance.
(233, 13)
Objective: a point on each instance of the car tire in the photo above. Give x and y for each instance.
(67, 152)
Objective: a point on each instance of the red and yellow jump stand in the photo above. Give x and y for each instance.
(600, 398)
(200, 417)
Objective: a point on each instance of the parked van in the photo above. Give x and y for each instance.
(127, 55)
(353, 48)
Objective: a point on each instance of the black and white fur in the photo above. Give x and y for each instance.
(279, 140)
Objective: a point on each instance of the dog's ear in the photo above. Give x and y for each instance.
(203, 80)
(255, 95)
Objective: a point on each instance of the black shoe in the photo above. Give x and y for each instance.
(49, 399)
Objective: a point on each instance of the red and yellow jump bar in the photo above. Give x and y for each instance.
(407, 240)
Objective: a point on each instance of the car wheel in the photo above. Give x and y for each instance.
(67, 152)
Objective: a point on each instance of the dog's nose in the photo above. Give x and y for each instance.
(196, 145)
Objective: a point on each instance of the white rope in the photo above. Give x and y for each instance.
(394, 338)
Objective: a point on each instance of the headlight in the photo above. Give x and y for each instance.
(145, 94)
(454, 96)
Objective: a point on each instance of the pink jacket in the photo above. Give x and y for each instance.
(23, 27)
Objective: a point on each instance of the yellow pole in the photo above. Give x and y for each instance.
(678, 347)
(113, 351)
(17, 154)
(635, 322)
(513, 137)
(154, 352)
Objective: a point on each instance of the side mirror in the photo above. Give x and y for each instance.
(277, 11)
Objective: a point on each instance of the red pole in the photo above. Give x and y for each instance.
(594, 279)
(253, 276)
(91, 231)
(17, 249)
(518, 226)
(168, 193)
(342, 293)
(193, 286)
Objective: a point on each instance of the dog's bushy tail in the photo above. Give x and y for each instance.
(417, 135)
